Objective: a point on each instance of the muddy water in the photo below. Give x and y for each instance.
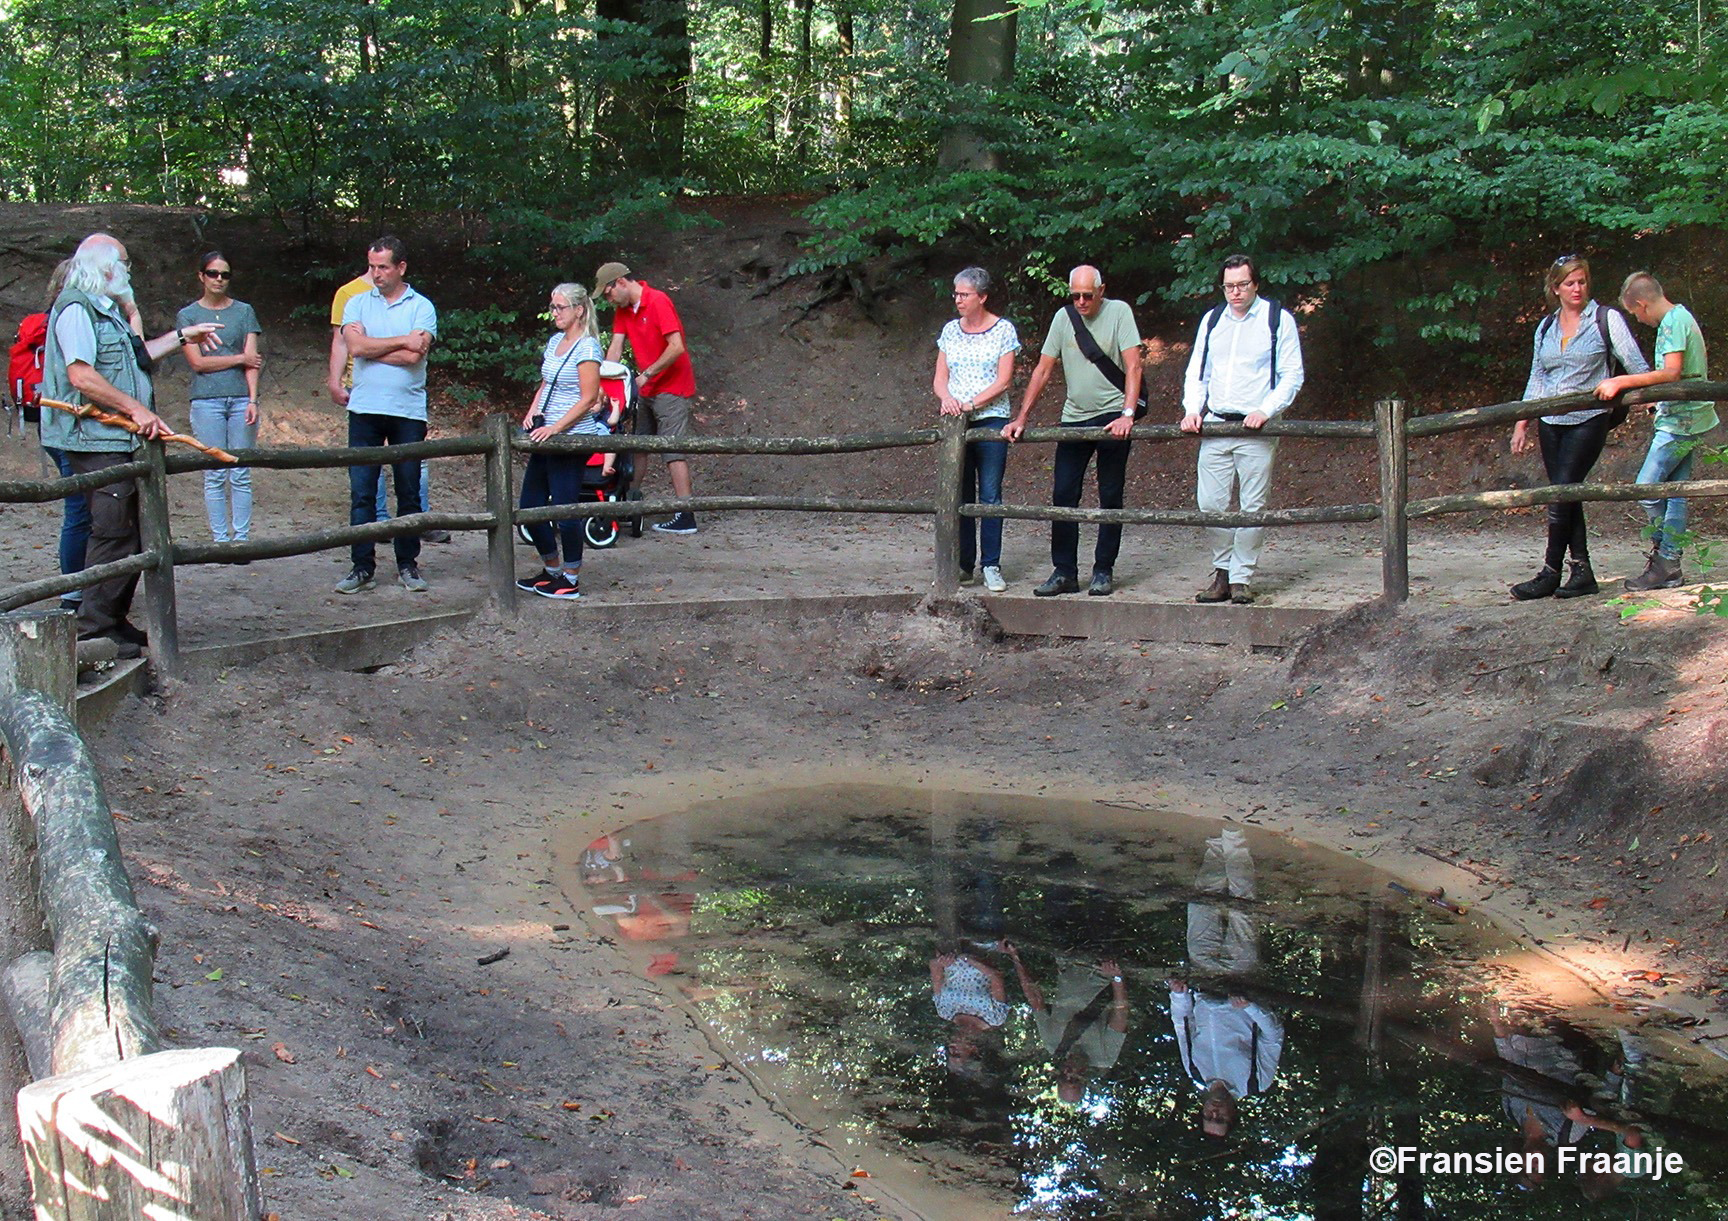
(1011, 1005)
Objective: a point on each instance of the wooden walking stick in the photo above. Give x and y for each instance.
(87, 412)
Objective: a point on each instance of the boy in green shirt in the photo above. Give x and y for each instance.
(1678, 426)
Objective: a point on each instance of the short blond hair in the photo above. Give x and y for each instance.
(1643, 287)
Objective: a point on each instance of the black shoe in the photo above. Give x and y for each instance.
(1581, 582)
(681, 523)
(127, 631)
(1102, 586)
(1058, 584)
(435, 536)
(71, 605)
(1218, 591)
(1542, 585)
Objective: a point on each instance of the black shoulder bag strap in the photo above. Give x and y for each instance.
(1091, 351)
(1617, 413)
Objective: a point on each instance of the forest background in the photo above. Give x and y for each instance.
(1399, 165)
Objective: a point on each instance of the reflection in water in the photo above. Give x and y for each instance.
(973, 985)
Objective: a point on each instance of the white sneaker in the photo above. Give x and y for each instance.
(993, 579)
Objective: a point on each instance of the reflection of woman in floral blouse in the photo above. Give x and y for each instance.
(971, 995)
(974, 364)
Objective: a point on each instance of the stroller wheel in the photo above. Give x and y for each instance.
(600, 531)
(523, 537)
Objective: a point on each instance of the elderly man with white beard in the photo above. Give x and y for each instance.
(96, 355)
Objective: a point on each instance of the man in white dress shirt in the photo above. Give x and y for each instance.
(1245, 369)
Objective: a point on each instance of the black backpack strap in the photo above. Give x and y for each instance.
(1273, 318)
(1615, 366)
(1212, 317)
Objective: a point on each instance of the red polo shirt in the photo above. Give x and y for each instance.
(646, 327)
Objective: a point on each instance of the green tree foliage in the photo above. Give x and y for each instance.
(1332, 136)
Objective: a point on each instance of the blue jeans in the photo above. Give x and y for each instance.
(1071, 460)
(555, 480)
(222, 423)
(367, 429)
(1669, 459)
(74, 524)
(425, 493)
(981, 483)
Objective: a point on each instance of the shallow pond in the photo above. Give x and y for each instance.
(999, 1005)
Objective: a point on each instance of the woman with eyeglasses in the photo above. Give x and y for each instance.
(224, 393)
(1576, 347)
(974, 364)
(568, 400)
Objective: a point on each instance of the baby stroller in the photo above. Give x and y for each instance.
(617, 394)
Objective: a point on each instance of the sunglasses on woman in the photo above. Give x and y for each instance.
(210, 274)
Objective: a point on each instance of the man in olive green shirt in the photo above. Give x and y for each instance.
(1092, 400)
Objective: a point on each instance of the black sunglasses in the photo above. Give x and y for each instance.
(218, 275)
(1081, 296)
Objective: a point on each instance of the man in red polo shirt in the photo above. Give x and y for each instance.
(647, 318)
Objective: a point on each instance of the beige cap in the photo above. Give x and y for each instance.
(608, 272)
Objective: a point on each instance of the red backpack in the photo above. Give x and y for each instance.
(24, 378)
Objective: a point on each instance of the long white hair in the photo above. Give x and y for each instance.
(97, 271)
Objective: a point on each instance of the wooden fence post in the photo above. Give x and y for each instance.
(1392, 429)
(500, 502)
(165, 1135)
(159, 610)
(37, 653)
(950, 462)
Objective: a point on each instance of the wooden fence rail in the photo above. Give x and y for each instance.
(112, 1126)
(1392, 432)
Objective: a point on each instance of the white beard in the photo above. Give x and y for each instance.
(120, 284)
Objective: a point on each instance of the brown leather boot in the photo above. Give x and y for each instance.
(1218, 591)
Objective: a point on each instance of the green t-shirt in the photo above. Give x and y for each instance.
(1088, 392)
(1678, 332)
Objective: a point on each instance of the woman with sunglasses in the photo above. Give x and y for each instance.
(224, 393)
(568, 400)
(1574, 348)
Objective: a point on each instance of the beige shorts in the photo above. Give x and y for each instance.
(664, 415)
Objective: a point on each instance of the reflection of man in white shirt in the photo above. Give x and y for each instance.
(1230, 1045)
(1245, 369)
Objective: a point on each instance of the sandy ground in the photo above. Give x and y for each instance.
(329, 854)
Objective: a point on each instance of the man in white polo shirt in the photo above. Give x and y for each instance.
(1245, 369)
(388, 332)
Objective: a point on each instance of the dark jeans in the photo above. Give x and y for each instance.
(981, 483)
(74, 518)
(1071, 460)
(113, 536)
(554, 480)
(365, 429)
(1568, 453)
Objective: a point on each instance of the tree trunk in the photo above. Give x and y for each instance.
(980, 57)
(845, 30)
(765, 66)
(644, 115)
(803, 86)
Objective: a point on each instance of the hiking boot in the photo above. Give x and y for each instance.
(993, 579)
(1218, 591)
(532, 584)
(1102, 586)
(411, 579)
(131, 632)
(435, 536)
(1542, 585)
(1241, 595)
(1057, 584)
(357, 581)
(681, 523)
(1581, 582)
(561, 586)
(71, 605)
(1660, 573)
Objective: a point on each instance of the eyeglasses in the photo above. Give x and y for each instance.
(559, 309)
(958, 294)
(212, 274)
(1240, 287)
(1081, 296)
